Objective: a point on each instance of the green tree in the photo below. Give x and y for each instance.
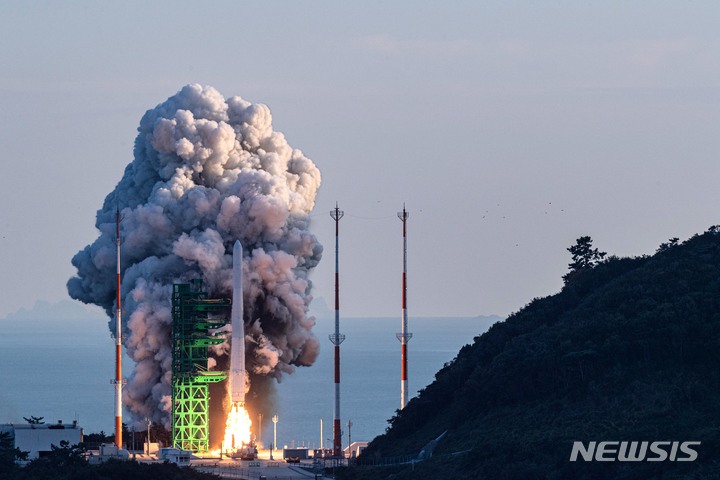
(67, 455)
(9, 455)
(62, 462)
(584, 257)
(673, 242)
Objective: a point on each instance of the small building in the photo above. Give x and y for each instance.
(176, 456)
(322, 453)
(152, 448)
(355, 449)
(108, 451)
(37, 438)
(301, 453)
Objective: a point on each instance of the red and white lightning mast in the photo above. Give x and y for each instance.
(118, 382)
(337, 338)
(404, 336)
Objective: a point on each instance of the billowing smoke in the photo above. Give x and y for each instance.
(206, 171)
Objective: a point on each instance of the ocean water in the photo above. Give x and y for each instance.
(58, 375)
(63, 372)
(369, 378)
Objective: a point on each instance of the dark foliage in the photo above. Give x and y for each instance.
(67, 462)
(9, 455)
(92, 441)
(584, 257)
(628, 350)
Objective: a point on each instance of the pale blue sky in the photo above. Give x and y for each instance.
(508, 128)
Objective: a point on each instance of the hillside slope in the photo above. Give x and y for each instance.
(628, 350)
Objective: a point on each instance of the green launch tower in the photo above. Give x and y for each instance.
(194, 316)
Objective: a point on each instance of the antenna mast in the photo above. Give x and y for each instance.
(118, 382)
(337, 338)
(404, 336)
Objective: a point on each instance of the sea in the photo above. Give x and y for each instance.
(370, 375)
(62, 371)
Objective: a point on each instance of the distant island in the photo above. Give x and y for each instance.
(60, 315)
(620, 369)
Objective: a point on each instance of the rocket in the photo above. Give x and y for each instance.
(237, 345)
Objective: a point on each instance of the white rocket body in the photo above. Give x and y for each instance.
(237, 346)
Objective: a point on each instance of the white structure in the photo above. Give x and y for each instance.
(108, 451)
(176, 456)
(355, 449)
(37, 439)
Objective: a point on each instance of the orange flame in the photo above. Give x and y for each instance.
(237, 427)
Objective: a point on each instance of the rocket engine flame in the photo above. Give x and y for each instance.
(206, 171)
(237, 427)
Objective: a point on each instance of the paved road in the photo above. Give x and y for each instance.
(271, 470)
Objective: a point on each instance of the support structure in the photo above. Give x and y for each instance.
(404, 336)
(118, 381)
(337, 338)
(194, 315)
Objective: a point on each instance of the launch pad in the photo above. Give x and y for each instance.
(194, 315)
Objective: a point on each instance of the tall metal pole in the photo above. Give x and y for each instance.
(404, 336)
(260, 428)
(337, 338)
(274, 445)
(118, 382)
(350, 424)
(149, 422)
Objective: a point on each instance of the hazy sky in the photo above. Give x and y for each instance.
(509, 129)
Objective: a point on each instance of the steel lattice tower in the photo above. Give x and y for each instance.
(404, 336)
(193, 316)
(119, 381)
(337, 338)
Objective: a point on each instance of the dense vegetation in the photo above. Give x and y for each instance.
(629, 349)
(67, 462)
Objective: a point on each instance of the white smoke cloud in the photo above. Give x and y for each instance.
(206, 172)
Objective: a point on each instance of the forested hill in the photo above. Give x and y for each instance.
(628, 350)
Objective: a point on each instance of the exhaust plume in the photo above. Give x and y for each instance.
(207, 171)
